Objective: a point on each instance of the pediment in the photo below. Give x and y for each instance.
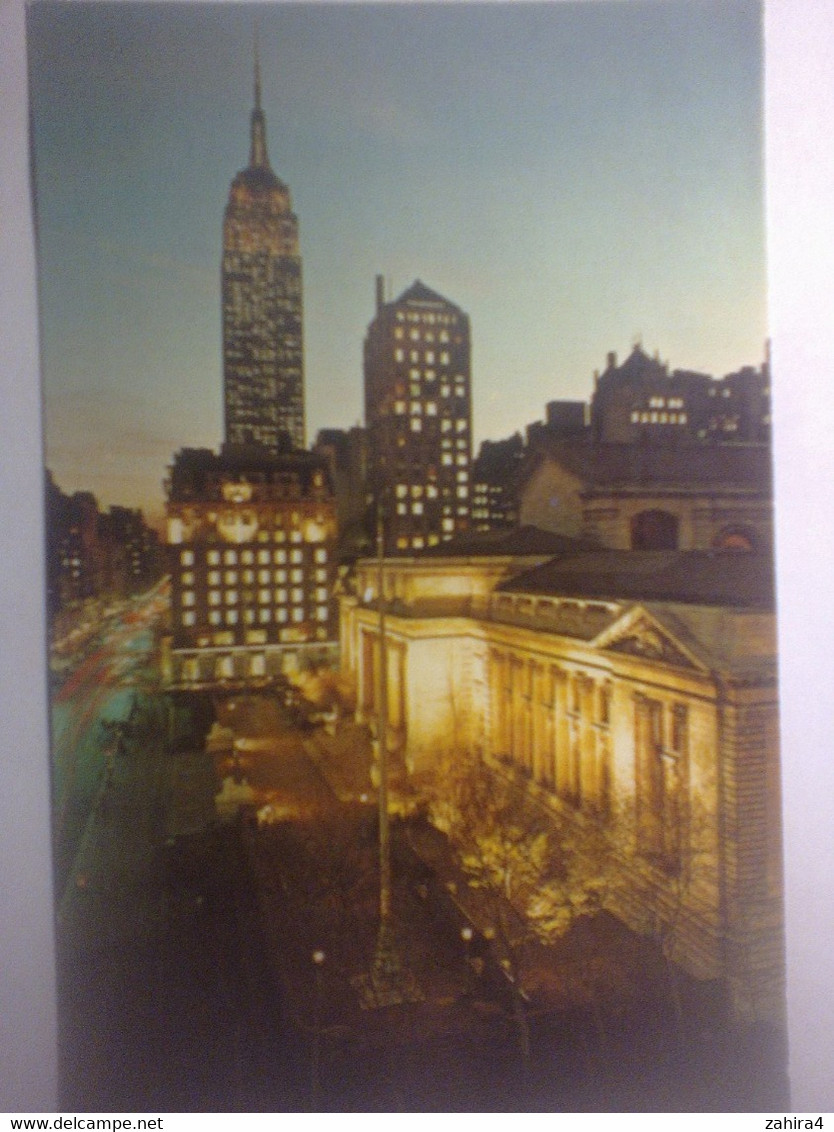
(640, 634)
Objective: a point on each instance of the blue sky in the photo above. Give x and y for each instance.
(573, 175)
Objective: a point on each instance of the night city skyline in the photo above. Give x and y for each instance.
(611, 152)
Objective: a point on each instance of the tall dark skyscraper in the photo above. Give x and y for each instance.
(418, 410)
(263, 361)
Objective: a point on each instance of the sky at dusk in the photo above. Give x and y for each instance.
(575, 176)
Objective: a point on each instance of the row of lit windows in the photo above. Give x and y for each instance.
(442, 357)
(655, 417)
(663, 403)
(251, 616)
(250, 577)
(265, 596)
(427, 317)
(247, 557)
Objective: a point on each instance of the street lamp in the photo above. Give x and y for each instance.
(466, 934)
(318, 958)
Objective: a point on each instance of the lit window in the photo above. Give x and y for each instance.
(431, 408)
(214, 617)
(279, 557)
(321, 593)
(230, 557)
(416, 408)
(188, 597)
(417, 508)
(448, 524)
(446, 459)
(444, 357)
(431, 491)
(263, 557)
(214, 597)
(214, 578)
(418, 543)
(296, 575)
(248, 577)
(399, 408)
(231, 597)
(230, 577)
(402, 490)
(213, 557)
(263, 597)
(321, 612)
(297, 595)
(280, 615)
(189, 617)
(295, 536)
(461, 425)
(402, 508)
(321, 575)
(280, 536)
(446, 425)
(399, 355)
(298, 615)
(429, 357)
(281, 596)
(297, 556)
(187, 579)
(320, 556)
(187, 557)
(264, 615)
(264, 577)
(231, 617)
(463, 492)
(249, 616)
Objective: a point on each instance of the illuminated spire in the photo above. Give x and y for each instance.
(258, 157)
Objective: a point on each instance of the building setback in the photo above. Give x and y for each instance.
(418, 411)
(251, 541)
(263, 367)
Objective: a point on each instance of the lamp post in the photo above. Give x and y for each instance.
(466, 934)
(318, 958)
(388, 983)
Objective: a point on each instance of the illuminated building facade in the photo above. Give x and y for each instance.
(418, 412)
(251, 541)
(632, 690)
(263, 363)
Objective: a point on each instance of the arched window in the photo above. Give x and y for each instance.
(735, 538)
(654, 530)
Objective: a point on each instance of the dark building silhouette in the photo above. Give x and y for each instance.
(418, 411)
(93, 554)
(263, 367)
(494, 472)
(346, 452)
(640, 401)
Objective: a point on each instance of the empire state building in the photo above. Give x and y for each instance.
(263, 361)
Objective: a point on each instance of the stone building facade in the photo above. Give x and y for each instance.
(632, 496)
(251, 553)
(636, 692)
